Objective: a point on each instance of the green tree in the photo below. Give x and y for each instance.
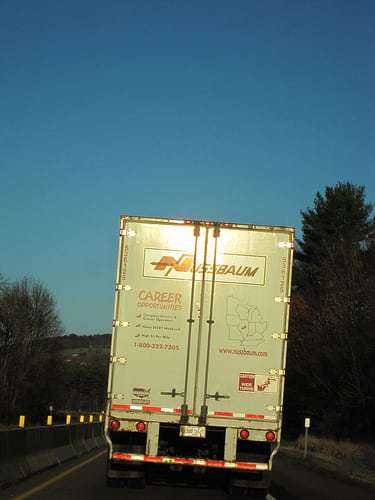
(339, 224)
(332, 344)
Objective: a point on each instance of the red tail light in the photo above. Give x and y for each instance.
(270, 436)
(140, 426)
(114, 425)
(244, 434)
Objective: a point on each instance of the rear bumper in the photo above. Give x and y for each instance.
(119, 457)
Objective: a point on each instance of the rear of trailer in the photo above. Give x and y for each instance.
(198, 351)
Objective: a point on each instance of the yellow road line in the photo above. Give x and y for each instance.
(53, 480)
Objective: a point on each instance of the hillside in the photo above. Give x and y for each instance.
(84, 341)
(77, 349)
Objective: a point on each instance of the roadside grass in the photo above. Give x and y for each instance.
(348, 459)
(338, 449)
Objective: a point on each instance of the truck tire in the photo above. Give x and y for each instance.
(114, 482)
(260, 493)
(236, 491)
(136, 483)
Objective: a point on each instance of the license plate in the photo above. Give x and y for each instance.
(192, 431)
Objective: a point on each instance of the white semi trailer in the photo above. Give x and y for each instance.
(198, 353)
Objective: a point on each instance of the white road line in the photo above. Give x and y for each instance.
(270, 497)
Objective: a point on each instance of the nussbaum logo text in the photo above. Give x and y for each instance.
(174, 264)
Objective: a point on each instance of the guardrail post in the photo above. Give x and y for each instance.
(68, 419)
(21, 422)
(82, 419)
(49, 419)
(91, 419)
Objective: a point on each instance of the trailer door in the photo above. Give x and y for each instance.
(154, 343)
(240, 367)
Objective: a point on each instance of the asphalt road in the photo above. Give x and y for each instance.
(84, 479)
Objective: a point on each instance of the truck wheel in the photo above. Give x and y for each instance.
(236, 491)
(136, 483)
(113, 482)
(258, 493)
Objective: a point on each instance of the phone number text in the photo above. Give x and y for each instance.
(149, 345)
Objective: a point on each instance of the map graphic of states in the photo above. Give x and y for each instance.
(245, 323)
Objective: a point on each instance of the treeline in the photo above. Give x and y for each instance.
(90, 341)
(33, 373)
(331, 352)
(86, 361)
(84, 383)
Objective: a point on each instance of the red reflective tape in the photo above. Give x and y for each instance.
(121, 456)
(223, 414)
(182, 461)
(155, 409)
(177, 411)
(215, 463)
(150, 409)
(242, 465)
(153, 459)
(120, 407)
(188, 461)
(255, 417)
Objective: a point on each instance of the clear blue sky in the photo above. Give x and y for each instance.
(221, 110)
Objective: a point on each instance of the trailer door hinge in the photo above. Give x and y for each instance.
(120, 323)
(130, 233)
(274, 371)
(284, 300)
(118, 359)
(281, 336)
(119, 286)
(116, 396)
(285, 244)
(275, 408)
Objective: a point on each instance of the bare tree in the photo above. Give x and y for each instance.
(3, 282)
(28, 317)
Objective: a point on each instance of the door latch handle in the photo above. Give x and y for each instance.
(217, 396)
(173, 393)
